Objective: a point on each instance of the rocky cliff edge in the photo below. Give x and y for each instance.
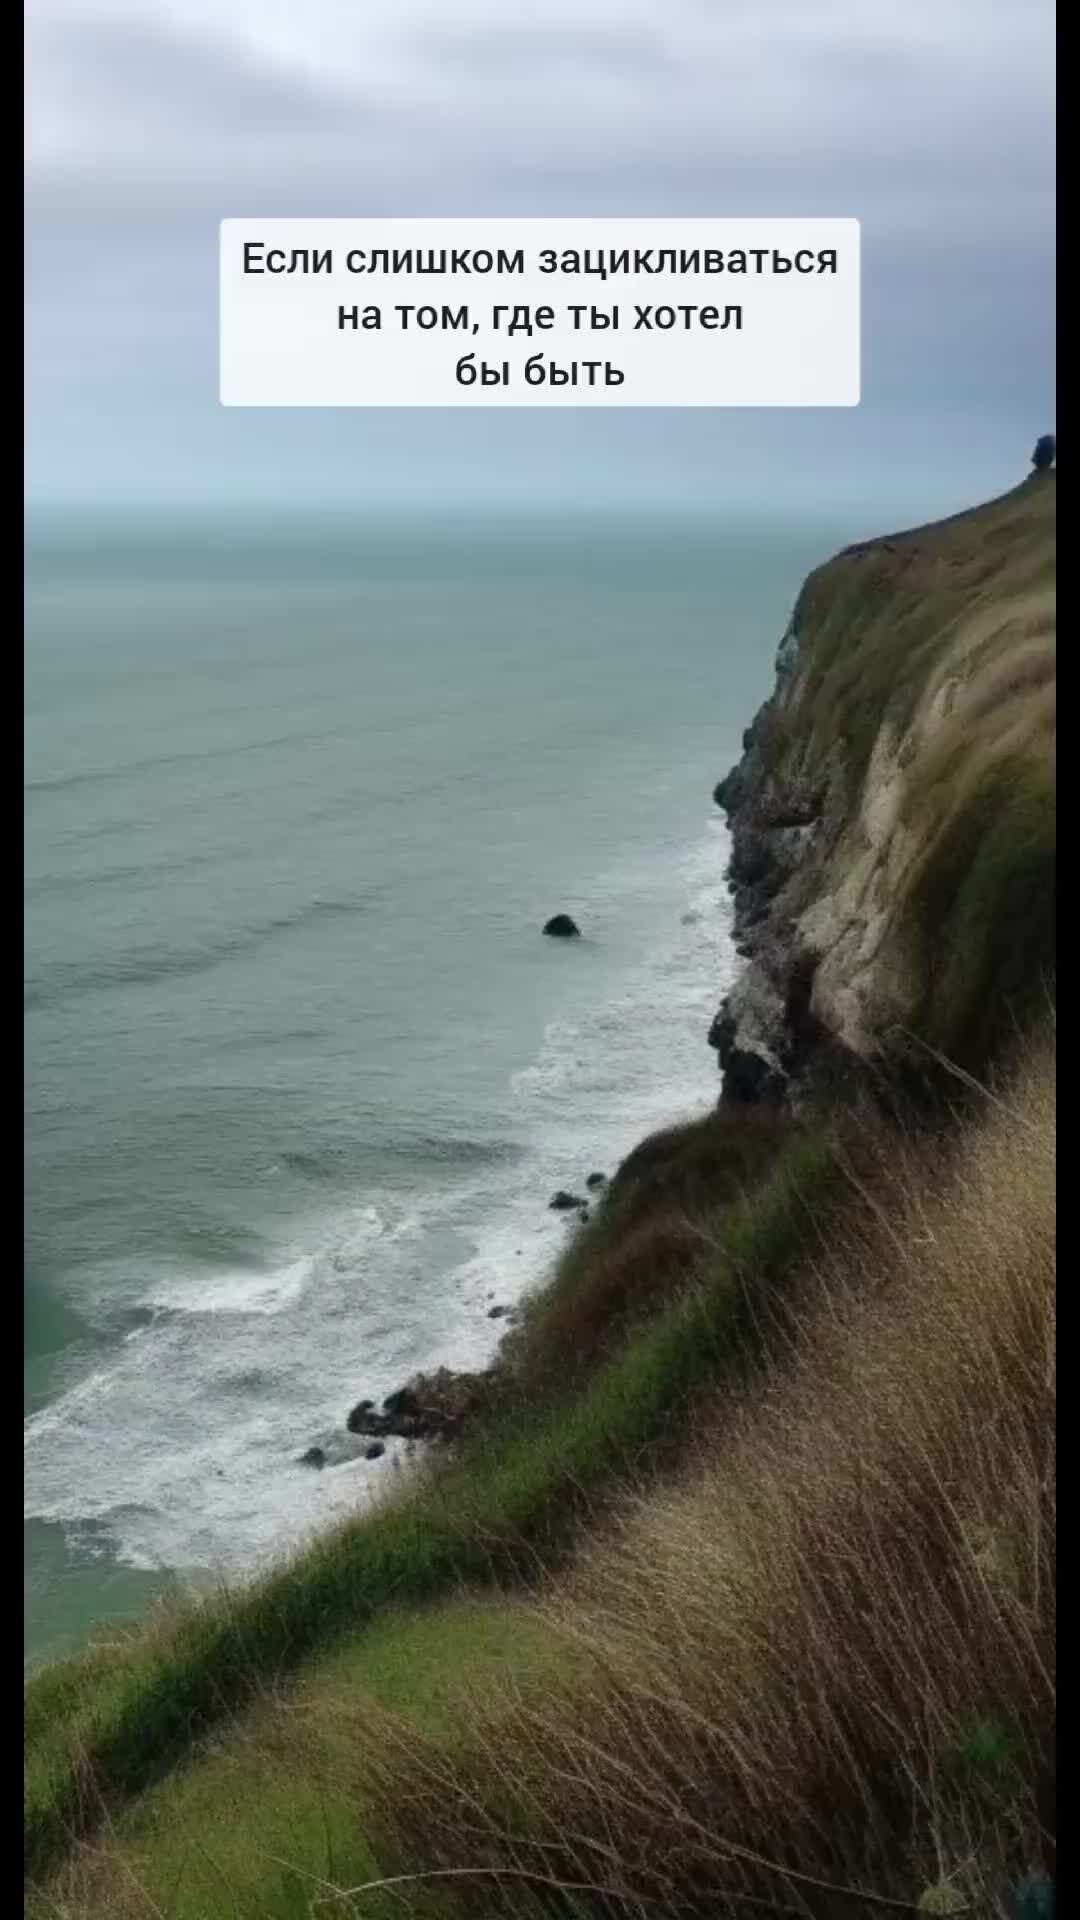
(893, 812)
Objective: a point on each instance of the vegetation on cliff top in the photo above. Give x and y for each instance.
(892, 618)
(921, 713)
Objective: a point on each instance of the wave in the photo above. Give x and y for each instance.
(153, 868)
(152, 763)
(243, 1291)
(454, 1150)
(410, 1149)
(61, 981)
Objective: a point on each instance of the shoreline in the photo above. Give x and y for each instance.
(469, 1340)
(433, 1406)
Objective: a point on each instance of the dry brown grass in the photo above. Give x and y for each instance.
(818, 1678)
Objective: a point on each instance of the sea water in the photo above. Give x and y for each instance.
(302, 1072)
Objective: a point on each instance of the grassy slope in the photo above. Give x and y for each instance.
(215, 1738)
(836, 1623)
(887, 616)
(825, 1659)
(268, 1807)
(511, 1500)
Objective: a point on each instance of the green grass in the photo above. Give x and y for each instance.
(512, 1499)
(884, 617)
(272, 1805)
(965, 605)
(985, 902)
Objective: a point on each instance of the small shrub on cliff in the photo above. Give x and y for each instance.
(701, 1165)
(1045, 452)
(652, 1231)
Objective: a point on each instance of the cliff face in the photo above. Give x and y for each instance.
(893, 812)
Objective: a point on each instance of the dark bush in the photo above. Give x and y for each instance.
(1045, 452)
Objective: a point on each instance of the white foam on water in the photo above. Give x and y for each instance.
(245, 1291)
(183, 1449)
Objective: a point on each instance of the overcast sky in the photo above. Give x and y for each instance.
(150, 120)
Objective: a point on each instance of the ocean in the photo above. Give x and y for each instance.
(302, 1072)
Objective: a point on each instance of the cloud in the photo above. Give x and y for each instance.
(193, 91)
(149, 120)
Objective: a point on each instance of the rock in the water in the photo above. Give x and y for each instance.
(596, 1180)
(583, 1216)
(375, 1451)
(364, 1419)
(561, 927)
(563, 1202)
(721, 1034)
(431, 1406)
(497, 1313)
(314, 1457)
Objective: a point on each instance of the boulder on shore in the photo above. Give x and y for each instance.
(432, 1406)
(561, 927)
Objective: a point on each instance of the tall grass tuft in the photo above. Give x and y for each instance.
(818, 1675)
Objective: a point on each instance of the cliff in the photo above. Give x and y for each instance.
(893, 812)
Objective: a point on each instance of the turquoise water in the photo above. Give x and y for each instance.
(302, 1073)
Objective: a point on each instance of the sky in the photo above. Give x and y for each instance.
(148, 121)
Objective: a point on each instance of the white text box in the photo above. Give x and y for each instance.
(580, 313)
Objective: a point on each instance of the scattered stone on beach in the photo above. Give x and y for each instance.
(375, 1451)
(563, 1202)
(314, 1457)
(402, 1415)
(596, 1180)
(561, 927)
(432, 1406)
